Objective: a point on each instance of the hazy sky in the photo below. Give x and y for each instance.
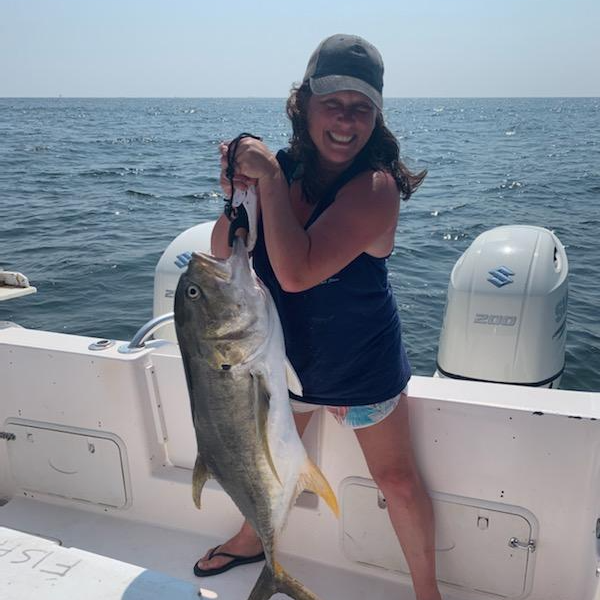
(196, 48)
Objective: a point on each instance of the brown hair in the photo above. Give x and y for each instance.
(381, 152)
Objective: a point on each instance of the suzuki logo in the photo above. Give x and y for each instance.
(501, 276)
(183, 260)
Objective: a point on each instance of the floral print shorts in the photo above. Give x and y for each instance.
(355, 417)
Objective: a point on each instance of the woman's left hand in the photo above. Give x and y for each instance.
(254, 160)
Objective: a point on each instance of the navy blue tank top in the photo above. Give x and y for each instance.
(342, 336)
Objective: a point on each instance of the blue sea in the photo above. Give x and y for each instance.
(93, 190)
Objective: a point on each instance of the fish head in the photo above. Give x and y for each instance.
(221, 313)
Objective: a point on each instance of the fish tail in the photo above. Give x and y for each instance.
(272, 581)
(313, 480)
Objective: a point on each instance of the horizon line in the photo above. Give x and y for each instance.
(61, 97)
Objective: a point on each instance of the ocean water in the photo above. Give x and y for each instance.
(93, 190)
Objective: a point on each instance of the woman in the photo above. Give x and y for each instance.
(329, 210)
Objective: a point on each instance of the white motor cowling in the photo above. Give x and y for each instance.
(171, 265)
(506, 311)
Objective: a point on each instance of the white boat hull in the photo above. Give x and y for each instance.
(103, 449)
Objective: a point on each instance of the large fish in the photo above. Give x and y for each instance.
(233, 353)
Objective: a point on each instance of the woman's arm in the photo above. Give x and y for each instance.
(362, 219)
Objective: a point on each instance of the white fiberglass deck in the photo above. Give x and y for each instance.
(107, 558)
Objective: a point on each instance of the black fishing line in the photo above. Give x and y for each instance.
(238, 217)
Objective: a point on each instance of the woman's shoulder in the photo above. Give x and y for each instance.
(374, 184)
(363, 217)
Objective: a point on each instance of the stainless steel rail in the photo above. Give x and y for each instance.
(138, 342)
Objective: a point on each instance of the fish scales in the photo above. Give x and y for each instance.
(240, 452)
(234, 359)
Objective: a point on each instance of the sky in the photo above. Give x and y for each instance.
(259, 48)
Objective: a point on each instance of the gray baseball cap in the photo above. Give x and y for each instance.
(346, 63)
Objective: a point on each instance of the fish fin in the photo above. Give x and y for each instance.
(313, 480)
(276, 580)
(263, 400)
(199, 479)
(293, 381)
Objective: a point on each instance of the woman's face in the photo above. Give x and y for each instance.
(340, 124)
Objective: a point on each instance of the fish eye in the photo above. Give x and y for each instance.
(192, 292)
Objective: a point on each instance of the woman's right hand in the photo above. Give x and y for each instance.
(240, 182)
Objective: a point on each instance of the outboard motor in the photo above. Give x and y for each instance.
(506, 311)
(172, 264)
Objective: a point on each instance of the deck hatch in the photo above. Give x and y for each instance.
(75, 464)
(473, 539)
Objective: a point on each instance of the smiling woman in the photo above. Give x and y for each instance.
(329, 209)
(340, 125)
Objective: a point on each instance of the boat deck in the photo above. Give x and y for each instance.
(97, 451)
(69, 550)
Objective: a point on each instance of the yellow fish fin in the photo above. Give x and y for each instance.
(199, 479)
(275, 579)
(278, 570)
(314, 481)
(263, 400)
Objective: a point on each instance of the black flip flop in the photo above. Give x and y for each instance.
(236, 562)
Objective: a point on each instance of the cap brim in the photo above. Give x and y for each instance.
(343, 83)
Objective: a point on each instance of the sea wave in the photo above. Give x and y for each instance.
(93, 190)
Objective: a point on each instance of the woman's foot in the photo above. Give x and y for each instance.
(244, 545)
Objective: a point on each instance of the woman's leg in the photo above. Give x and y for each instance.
(388, 452)
(246, 542)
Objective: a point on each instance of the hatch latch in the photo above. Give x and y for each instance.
(517, 543)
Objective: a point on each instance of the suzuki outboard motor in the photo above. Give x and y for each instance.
(506, 312)
(172, 264)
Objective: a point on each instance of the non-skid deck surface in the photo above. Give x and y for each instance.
(50, 552)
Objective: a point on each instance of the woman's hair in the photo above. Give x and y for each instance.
(381, 152)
